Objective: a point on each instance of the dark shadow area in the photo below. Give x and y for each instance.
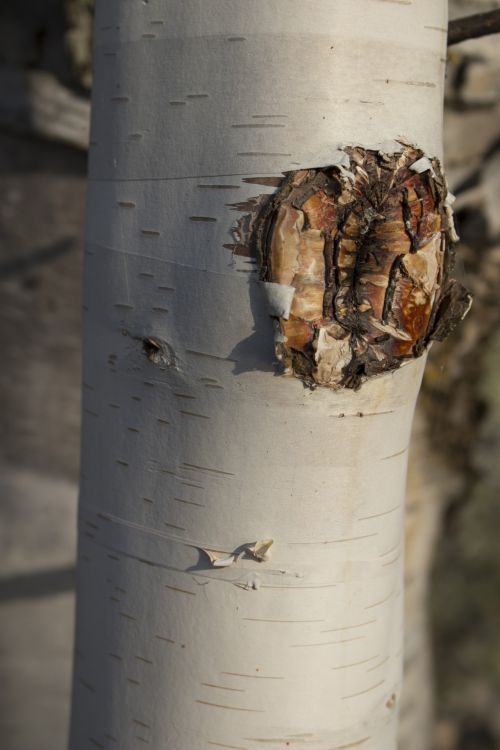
(29, 263)
(256, 352)
(28, 154)
(42, 583)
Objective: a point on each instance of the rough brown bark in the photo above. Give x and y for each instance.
(364, 251)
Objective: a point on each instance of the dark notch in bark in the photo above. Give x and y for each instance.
(158, 352)
(364, 251)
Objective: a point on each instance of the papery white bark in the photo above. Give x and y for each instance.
(203, 447)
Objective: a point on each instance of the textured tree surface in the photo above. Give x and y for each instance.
(365, 250)
(190, 459)
(456, 439)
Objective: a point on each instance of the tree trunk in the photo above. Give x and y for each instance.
(241, 529)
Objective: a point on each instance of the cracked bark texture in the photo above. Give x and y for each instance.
(364, 250)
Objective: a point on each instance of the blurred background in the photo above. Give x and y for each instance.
(453, 555)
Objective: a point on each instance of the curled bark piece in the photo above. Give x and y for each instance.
(218, 558)
(366, 245)
(260, 550)
(221, 559)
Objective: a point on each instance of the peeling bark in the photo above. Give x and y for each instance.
(362, 251)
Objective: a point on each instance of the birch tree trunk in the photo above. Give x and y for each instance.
(193, 631)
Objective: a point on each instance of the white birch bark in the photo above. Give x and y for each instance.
(209, 449)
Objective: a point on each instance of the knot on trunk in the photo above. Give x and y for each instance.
(356, 261)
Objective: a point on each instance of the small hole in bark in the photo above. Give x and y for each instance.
(151, 348)
(158, 352)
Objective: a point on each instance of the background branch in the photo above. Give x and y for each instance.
(472, 27)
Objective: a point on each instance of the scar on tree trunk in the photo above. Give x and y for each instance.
(356, 263)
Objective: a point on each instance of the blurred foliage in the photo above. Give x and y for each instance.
(79, 16)
(50, 35)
